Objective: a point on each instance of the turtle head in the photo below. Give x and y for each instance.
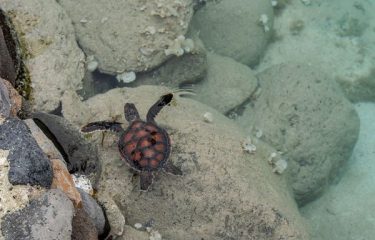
(131, 113)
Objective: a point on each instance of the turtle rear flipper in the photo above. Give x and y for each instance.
(131, 113)
(170, 168)
(146, 180)
(155, 109)
(102, 126)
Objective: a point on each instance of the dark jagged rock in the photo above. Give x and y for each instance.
(28, 163)
(80, 156)
(9, 52)
(4, 100)
(48, 217)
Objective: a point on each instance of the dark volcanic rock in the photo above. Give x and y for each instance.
(4, 100)
(49, 217)
(28, 164)
(80, 156)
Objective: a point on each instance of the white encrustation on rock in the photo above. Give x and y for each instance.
(126, 77)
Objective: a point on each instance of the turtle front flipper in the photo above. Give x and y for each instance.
(146, 180)
(170, 168)
(131, 113)
(155, 109)
(102, 126)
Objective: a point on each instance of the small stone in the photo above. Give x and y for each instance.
(263, 20)
(92, 65)
(138, 225)
(248, 146)
(271, 159)
(208, 118)
(63, 180)
(280, 166)
(126, 77)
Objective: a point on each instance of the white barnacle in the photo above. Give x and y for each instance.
(126, 77)
(263, 20)
(207, 117)
(248, 146)
(138, 225)
(91, 63)
(272, 158)
(280, 166)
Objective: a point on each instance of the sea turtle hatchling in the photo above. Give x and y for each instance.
(143, 145)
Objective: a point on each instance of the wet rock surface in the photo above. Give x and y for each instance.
(233, 28)
(54, 61)
(93, 210)
(129, 35)
(49, 217)
(304, 114)
(224, 192)
(9, 57)
(80, 156)
(226, 85)
(28, 163)
(83, 226)
(4, 100)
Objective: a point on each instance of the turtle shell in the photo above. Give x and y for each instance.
(144, 146)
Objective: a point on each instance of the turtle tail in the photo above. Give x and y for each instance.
(155, 109)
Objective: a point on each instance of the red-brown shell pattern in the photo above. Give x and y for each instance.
(144, 146)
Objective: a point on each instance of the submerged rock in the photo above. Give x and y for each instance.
(304, 114)
(28, 163)
(223, 193)
(129, 35)
(233, 28)
(227, 84)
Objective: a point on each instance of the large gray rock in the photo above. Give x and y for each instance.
(178, 70)
(227, 84)
(347, 209)
(28, 163)
(48, 217)
(53, 59)
(304, 114)
(224, 193)
(232, 28)
(94, 211)
(128, 35)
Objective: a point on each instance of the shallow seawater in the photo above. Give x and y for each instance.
(331, 41)
(271, 125)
